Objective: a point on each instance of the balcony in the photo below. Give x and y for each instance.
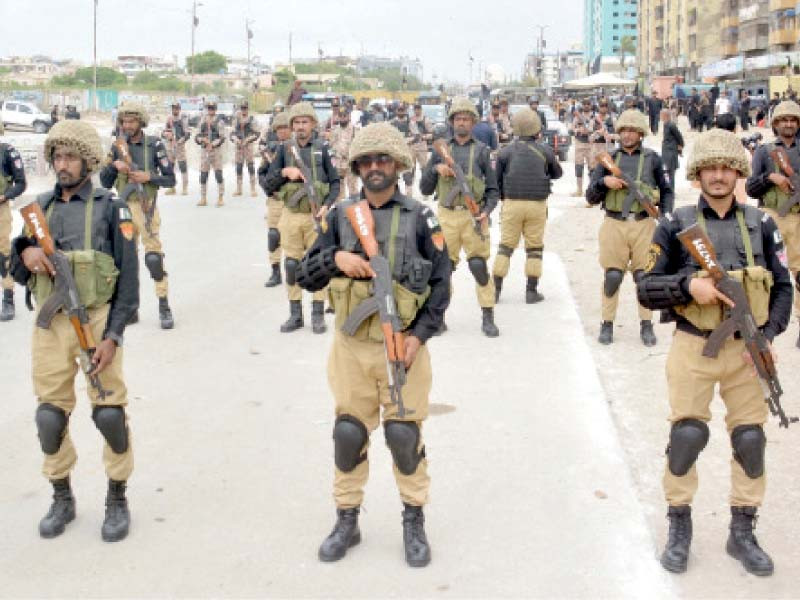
(730, 49)
(783, 36)
(781, 4)
(750, 43)
(731, 20)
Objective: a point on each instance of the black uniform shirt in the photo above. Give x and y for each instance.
(431, 314)
(111, 219)
(11, 166)
(758, 184)
(162, 173)
(274, 180)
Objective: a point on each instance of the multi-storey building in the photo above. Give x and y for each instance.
(606, 24)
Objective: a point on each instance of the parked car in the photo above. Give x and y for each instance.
(17, 113)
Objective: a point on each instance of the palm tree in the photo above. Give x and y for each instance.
(626, 46)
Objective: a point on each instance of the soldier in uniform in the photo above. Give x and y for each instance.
(772, 187)
(12, 184)
(533, 104)
(748, 245)
(525, 170)
(357, 365)
(624, 242)
(210, 138)
(411, 134)
(603, 135)
(92, 224)
(424, 135)
(583, 126)
(177, 134)
(244, 134)
(152, 170)
(502, 126)
(457, 223)
(280, 128)
(340, 139)
(296, 226)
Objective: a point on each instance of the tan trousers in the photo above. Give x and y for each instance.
(624, 245)
(525, 218)
(346, 176)
(5, 241)
(150, 240)
(584, 153)
(789, 227)
(55, 352)
(691, 378)
(359, 382)
(297, 236)
(274, 210)
(176, 153)
(459, 232)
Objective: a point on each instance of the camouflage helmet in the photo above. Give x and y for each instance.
(134, 109)
(78, 136)
(787, 108)
(633, 119)
(460, 105)
(718, 147)
(380, 138)
(526, 122)
(302, 109)
(280, 120)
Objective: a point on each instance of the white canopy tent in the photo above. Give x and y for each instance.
(598, 80)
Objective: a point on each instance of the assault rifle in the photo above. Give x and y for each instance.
(308, 188)
(634, 192)
(738, 318)
(65, 295)
(481, 226)
(382, 301)
(781, 159)
(148, 206)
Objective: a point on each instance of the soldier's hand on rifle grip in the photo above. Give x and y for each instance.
(121, 166)
(322, 212)
(139, 176)
(412, 345)
(103, 355)
(444, 171)
(36, 261)
(293, 173)
(782, 182)
(613, 183)
(353, 265)
(704, 291)
(482, 218)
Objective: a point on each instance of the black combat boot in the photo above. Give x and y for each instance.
(487, 324)
(165, 314)
(118, 519)
(676, 553)
(345, 534)
(606, 333)
(61, 512)
(498, 287)
(295, 320)
(647, 334)
(532, 295)
(418, 552)
(7, 311)
(275, 278)
(742, 543)
(318, 317)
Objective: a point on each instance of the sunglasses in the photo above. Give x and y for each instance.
(379, 159)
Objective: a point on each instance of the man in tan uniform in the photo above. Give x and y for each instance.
(280, 128)
(342, 133)
(357, 369)
(244, 134)
(748, 245)
(210, 138)
(95, 230)
(177, 134)
(12, 184)
(584, 126)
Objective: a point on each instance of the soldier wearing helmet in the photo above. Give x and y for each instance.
(210, 139)
(356, 368)
(341, 136)
(773, 189)
(12, 184)
(625, 239)
(176, 132)
(96, 232)
(150, 169)
(244, 134)
(748, 245)
(411, 134)
(457, 223)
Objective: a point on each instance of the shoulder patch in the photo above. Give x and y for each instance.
(652, 256)
(437, 237)
(776, 236)
(126, 229)
(764, 218)
(125, 214)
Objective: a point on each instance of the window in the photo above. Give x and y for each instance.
(24, 109)
(616, 14)
(616, 38)
(11, 106)
(616, 26)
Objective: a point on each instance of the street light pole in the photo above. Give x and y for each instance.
(248, 33)
(94, 57)
(191, 63)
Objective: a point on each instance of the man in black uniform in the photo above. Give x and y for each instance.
(411, 240)
(96, 232)
(654, 106)
(411, 134)
(749, 246)
(12, 184)
(151, 170)
(624, 241)
(671, 146)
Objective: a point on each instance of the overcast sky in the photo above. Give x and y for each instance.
(442, 33)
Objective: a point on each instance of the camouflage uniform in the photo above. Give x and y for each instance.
(244, 134)
(340, 140)
(210, 138)
(177, 134)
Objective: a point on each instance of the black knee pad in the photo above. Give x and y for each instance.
(535, 252)
(611, 282)
(749, 444)
(203, 177)
(251, 168)
(218, 175)
(579, 170)
(402, 437)
(638, 275)
(110, 420)
(182, 166)
(239, 169)
(687, 439)
(51, 423)
(349, 437)
(273, 239)
(505, 250)
(4, 262)
(291, 265)
(797, 282)
(154, 262)
(479, 270)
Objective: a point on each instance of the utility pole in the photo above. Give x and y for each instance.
(249, 34)
(540, 48)
(290, 50)
(94, 57)
(191, 64)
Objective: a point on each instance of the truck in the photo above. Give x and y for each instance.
(16, 113)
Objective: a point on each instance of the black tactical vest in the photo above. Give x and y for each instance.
(179, 128)
(526, 177)
(211, 132)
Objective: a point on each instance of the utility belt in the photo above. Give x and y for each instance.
(520, 199)
(640, 216)
(685, 326)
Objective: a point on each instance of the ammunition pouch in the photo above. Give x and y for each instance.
(95, 277)
(615, 199)
(296, 200)
(444, 189)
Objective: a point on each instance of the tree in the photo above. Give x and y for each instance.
(84, 77)
(626, 46)
(207, 62)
